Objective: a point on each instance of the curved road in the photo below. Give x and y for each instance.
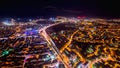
(52, 44)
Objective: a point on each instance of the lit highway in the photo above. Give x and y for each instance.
(52, 44)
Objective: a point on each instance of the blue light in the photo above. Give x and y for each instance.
(7, 22)
(31, 32)
(52, 19)
(30, 20)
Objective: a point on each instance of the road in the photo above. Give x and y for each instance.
(52, 44)
(69, 42)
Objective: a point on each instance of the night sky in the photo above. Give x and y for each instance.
(30, 8)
